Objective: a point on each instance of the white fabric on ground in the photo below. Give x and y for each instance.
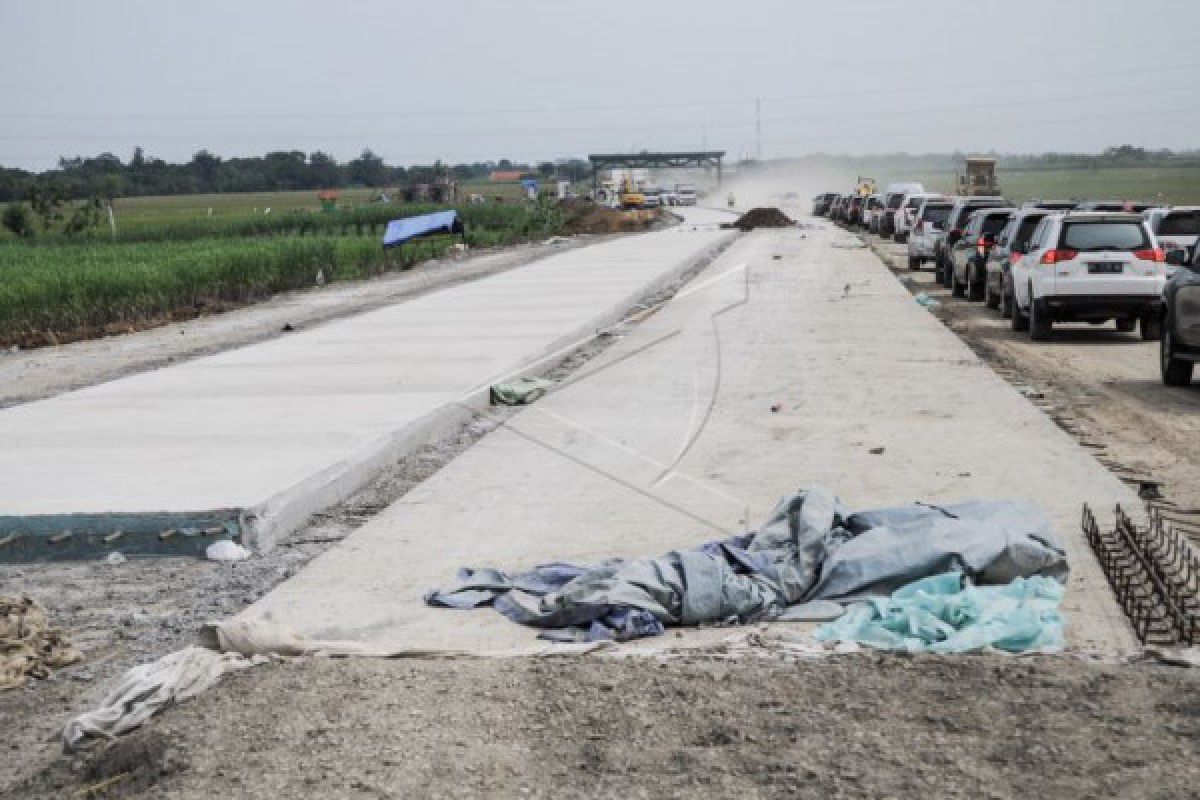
(147, 689)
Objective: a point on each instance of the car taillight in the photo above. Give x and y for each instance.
(1014, 257)
(1156, 255)
(1058, 256)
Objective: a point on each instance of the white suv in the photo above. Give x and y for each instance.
(910, 204)
(928, 224)
(1089, 267)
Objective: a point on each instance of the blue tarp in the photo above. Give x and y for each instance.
(400, 231)
(811, 548)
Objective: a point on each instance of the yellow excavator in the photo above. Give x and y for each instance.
(629, 196)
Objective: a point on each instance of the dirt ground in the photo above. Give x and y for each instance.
(693, 725)
(1099, 385)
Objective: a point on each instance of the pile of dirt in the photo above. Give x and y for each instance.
(583, 216)
(762, 218)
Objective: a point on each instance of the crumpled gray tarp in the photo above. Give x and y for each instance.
(810, 548)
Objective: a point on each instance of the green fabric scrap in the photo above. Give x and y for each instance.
(519, 392)
(939, 614)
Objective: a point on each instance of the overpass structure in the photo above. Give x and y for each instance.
(645, 160)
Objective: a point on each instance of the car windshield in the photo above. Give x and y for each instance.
(895, 200)
(914, 202)
(1104, 236)
(994, 223)
(936, 215)
(1180, 223)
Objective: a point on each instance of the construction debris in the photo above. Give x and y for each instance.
(519, 392)
(762, 218)
(29, 646)
(1154, 572)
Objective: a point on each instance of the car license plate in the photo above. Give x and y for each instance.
(1104, 268)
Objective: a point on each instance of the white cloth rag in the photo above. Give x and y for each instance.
(147, 689)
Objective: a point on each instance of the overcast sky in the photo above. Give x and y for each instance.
(466, 80)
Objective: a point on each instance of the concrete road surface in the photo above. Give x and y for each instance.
(795, 359)
(269, 433)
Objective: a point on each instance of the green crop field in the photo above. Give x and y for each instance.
(54, 287)
(1176, 185)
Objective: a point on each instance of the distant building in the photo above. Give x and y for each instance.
(506, 175)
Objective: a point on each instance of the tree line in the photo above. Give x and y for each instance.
(106, 176)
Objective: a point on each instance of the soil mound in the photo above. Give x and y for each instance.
(763, 218)
(582, 216)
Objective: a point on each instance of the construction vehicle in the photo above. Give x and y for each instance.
(630, 196)
(979, 180)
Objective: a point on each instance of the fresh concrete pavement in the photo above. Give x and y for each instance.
(262, 436)
(794, 359)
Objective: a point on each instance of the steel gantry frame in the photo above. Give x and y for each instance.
(698, 158)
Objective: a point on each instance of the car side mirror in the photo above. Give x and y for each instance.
(1177, 258)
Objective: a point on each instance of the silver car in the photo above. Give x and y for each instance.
(909, 206)
(928, 224)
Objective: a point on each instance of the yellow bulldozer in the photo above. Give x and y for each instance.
(629, 196)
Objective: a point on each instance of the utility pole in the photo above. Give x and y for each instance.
(758, 128)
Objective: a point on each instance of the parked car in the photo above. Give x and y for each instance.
(686, 193)
(822, 203)
(651, 198)
(903, 220)
(854, 210)
(1180, 347)
(968, 256)
(928, 224)
(1010, 245)
(963, 207)
(1175, 228)
(1117, 206)
(872, 210)
(1089, 267)
(893, 197)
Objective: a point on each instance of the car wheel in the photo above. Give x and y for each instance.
(975, 287)
(914, 262)
(1126, 324)
(1006, 305)
(1175, 371)
(1151, 324)
(991, 298)
(1019, 319)
(1039, 320)
(957, 289)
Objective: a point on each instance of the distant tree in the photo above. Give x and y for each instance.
(17, 219)
(367, 170)
(546, 170)
(206, 170)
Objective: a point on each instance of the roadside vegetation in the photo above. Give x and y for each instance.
(64, 285)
